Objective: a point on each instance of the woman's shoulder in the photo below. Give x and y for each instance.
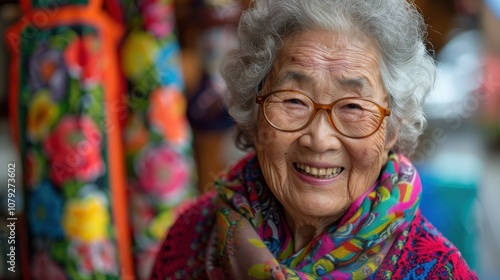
(182, 252)
(424, 253)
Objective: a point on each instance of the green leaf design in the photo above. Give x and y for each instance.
(70, 189)
(59, 251)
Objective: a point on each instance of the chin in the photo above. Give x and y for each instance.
(322, 207)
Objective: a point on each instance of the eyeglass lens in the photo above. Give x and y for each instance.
(352, 117)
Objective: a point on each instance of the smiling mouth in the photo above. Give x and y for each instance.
(320, 173)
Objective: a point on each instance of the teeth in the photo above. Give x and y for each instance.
(324, 173)
(314, 171)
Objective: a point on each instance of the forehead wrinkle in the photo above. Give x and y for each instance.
(356, 63)
(319, 61)
(348, 63)
(357, 80)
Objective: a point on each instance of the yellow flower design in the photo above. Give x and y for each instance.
(42, 113)
(158, 227)
(139, 54)
(86, 219)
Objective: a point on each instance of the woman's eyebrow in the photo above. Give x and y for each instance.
(360, 85)
(357, 83)
(291, 75)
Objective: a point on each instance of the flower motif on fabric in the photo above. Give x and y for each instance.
(48, 70)
(140, 50)
(94, 257)
(74, 148)
(159, 226)
(163, 173)
(159, 17)
(167, 111)
(45, 208)
(167, 64)
(42, 113)
(135, 134)
(86, 219)
(85, 60)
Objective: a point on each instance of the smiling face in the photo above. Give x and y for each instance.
(316, 173)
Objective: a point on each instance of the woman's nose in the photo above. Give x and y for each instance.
(320, 135)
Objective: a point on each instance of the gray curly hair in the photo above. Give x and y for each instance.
(407, 69)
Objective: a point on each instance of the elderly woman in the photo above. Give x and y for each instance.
(328, 94)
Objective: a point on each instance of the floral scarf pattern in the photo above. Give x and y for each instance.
(251, 238)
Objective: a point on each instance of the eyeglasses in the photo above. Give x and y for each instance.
(291, 110)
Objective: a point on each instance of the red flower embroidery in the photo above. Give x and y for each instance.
(163, 172)
(74, 149)
(85, 60)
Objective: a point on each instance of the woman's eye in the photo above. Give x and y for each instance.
(293, 101)
(353, 106)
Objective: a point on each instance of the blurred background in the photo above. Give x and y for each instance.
(113, 113)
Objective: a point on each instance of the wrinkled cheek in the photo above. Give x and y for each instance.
(274, 170)
(368, 156)
(265, 149)
(368, 161)
(365, 170)
(265, 137)
(271, 154)
(275, 176)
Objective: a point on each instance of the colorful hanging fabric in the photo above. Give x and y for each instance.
(64, 85)
(157, 136)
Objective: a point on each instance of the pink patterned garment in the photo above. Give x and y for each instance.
(241, 233)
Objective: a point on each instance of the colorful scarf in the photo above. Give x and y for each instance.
(251, 237)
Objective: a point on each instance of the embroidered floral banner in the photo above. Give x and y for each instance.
(64, 81)
(160, 167)
(99, 117)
